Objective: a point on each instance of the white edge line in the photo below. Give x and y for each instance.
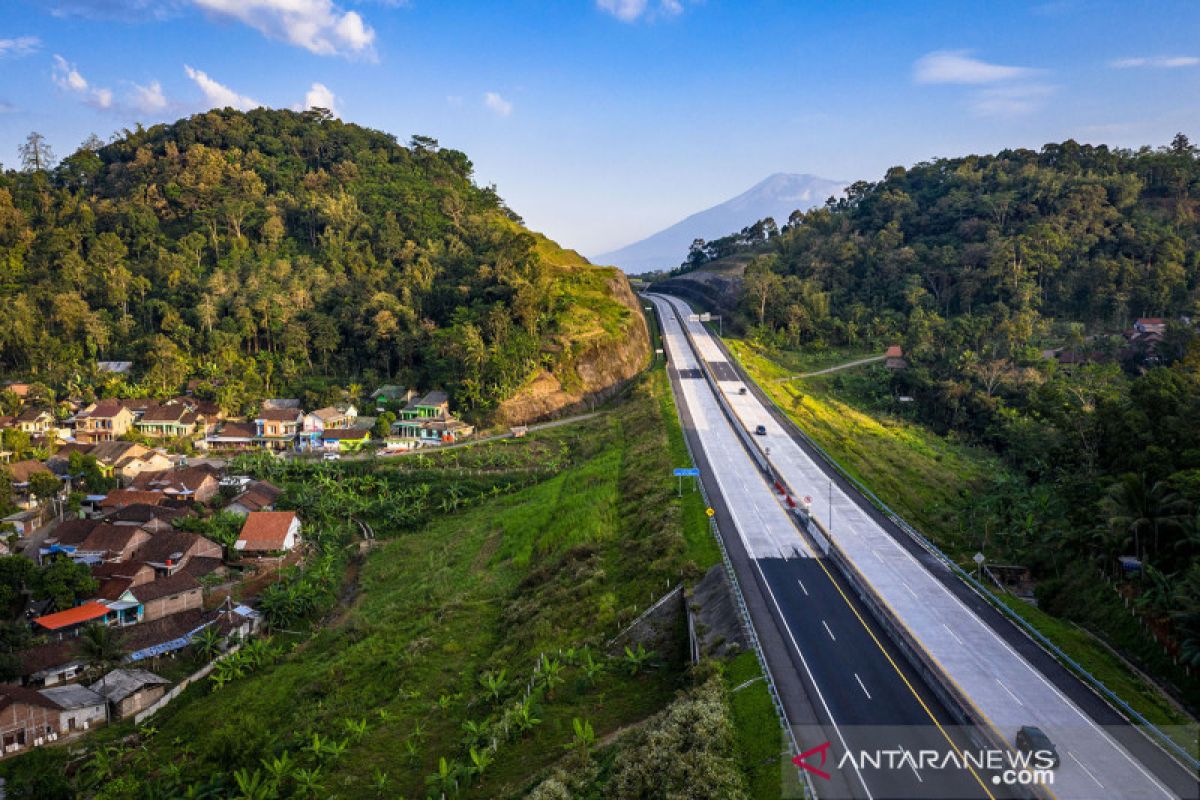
(1021, 659)
(803, 660)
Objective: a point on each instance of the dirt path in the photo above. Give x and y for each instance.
(847, 365)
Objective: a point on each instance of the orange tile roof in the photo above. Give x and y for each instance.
(73, 616)
(265, 530)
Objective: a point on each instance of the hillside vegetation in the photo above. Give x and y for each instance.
(468, 653)
(260, 249)
(1012, 283)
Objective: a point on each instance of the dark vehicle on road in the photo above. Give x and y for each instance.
(1032, 740)
(761, 430)
(742, 390)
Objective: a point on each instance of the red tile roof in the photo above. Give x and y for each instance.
(265, 531)
(280, 414)
(11, 694)
(73, 616)
(22, 471)
(118, 498)
(894, 352)
(104, 409)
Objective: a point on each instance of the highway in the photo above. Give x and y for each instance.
(839, 676)
(976, 655)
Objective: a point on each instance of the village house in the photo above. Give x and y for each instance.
(330, 418)
(52, 663)
(169, 421)
(1150, 325)
(133, 573)
(120, 599)
(344, 440)
(65, 538)
(256, 496)
(194, 484)
(893, 358)
(266, 532)
(119, 498)
(24, 523)
(170, 551)
(171, 595)
(431, 431)
(35, 421)
(103, 421)
(427, 421)
(393, 394)
(129, 691)
(127, 460)
(66, 624)
(276, 428)
(27, 718)
(139, 405)
(81, 707)
(232, 436)
(434, 404)
(109, 543)
(20, 473)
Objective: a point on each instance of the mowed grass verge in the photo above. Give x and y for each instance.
(926, 478)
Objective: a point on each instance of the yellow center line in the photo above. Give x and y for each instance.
(982, 784)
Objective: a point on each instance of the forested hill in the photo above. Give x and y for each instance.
(269, 247)
(1080, 232)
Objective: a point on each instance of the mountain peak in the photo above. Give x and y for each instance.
(777, 196)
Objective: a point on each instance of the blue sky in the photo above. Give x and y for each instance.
(601, 121)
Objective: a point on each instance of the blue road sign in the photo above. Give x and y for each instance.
(687, 473)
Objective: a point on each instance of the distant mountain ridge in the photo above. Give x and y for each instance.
(777, 196)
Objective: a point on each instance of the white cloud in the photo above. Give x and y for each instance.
(956, 66)
(1155, 62)
(497, 104)
(318, 96)
(632, 10)
(148, 99)
(318, 26)
(218, 95)
(19, 46)
(1011, 101)
(68, 78)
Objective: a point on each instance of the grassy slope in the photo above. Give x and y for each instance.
(926, 478)
(561, 564)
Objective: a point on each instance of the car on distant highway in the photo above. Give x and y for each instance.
(761, 430)
(1031, 739)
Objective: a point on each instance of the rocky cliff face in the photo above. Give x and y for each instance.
(599, 367)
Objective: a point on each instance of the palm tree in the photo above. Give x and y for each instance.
(1140, 508)
(101, 648)
(208, 643)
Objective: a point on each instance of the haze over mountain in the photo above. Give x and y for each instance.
(777, 196)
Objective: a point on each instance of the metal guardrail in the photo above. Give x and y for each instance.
(744, 610)
(1093, 682)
